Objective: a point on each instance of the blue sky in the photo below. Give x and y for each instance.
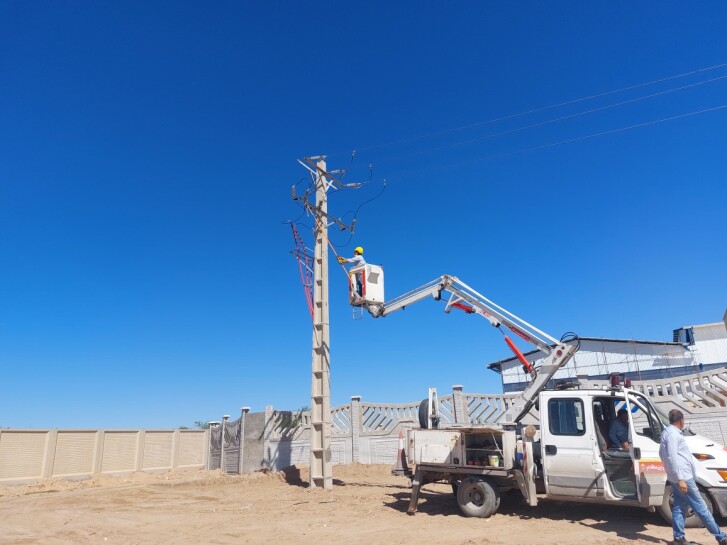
(147, 151)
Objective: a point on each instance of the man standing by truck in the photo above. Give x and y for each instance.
(679, 467)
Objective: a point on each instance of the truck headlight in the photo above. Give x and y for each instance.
(703, 456)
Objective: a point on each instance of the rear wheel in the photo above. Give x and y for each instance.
(691, 520)
(477, 497)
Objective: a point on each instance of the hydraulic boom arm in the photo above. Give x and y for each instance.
(463, 297)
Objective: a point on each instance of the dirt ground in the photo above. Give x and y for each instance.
(366, 506)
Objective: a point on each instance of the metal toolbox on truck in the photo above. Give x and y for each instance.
(435, 447)
(486, 447)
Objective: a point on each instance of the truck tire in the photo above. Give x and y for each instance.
(691, 520)
(477, 497)
(424, 415)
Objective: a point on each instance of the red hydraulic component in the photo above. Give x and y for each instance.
(462, 306)
(526, 364)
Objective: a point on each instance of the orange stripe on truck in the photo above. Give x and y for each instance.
(651, 466)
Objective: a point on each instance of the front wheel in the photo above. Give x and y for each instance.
(477, 497)
(691, 520)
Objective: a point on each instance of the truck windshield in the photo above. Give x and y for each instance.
(665, 421)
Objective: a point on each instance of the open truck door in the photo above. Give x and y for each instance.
(645, 429)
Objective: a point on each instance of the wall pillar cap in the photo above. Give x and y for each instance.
(245, 409)
(457, 387)
(355, 398)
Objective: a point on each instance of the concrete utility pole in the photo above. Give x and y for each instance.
(321, 466)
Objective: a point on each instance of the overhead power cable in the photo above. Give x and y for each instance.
(536, 110)
(561, 142)
(548, 122)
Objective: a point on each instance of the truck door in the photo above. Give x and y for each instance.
(567, 437)
(645, 427)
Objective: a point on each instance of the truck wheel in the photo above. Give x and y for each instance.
(477, 497)
(691, 520)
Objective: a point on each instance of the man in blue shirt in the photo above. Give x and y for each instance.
(680, 470)
(618, 431)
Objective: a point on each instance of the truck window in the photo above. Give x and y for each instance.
(565, 416)
(646, 420)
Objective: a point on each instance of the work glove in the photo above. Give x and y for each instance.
(341, 259)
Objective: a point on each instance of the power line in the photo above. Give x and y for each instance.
(536, 110)
(547, 122)
(569, 141)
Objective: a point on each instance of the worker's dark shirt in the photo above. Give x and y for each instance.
(618, 433)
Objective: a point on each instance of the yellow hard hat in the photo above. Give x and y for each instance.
(358, 249)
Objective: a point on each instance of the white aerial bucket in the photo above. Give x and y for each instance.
(371, 280)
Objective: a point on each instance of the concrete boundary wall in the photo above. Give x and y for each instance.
(30, 455)
(368, 433)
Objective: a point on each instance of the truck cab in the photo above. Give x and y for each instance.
(580, 462)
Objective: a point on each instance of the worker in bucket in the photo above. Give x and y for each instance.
(618, 431)
(680, 470)
(357, 261)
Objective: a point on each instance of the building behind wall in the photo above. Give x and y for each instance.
(694, 348)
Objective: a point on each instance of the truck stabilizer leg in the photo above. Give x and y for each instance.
(415, 485)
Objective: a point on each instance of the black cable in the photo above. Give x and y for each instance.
(383, 188)
(569, 336)
(345, 170)
(355, 215)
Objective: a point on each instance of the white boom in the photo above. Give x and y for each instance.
(463, 297)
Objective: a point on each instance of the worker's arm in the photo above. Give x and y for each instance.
(625, 442)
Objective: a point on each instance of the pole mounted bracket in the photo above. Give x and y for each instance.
(314, 170)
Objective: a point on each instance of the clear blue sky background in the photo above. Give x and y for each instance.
(147, 151)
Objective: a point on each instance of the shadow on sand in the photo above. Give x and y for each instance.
(624, 522)
(293, 478)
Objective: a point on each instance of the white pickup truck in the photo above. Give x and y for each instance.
(567, 458)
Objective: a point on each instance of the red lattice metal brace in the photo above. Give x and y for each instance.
(304, 266)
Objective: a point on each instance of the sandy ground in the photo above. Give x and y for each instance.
(366, 506)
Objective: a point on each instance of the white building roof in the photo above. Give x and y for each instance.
(600, 357)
